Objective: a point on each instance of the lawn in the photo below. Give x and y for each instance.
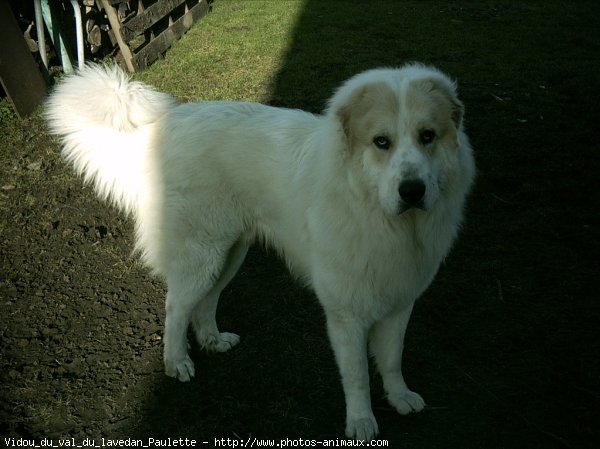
(504, 345)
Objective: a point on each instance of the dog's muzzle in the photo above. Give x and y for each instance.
(412, 194)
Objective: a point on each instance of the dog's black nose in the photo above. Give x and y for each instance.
(412, 191)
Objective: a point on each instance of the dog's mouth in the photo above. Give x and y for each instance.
(404, 207)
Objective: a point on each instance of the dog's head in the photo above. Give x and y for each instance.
(403, 130)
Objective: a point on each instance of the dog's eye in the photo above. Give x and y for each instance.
(382, 142)
(426, 136)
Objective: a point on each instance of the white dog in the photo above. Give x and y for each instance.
(363, 202)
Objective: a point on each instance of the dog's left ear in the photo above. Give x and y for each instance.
(458, 110)
(448, 89)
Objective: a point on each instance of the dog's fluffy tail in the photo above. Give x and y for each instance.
(107, 125)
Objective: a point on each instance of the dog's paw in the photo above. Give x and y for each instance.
(407, 402)
(362, 429)
(220, 342)
(182, 370)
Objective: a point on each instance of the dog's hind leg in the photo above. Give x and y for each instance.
(191, 279)
(204, 314)
(183, 293)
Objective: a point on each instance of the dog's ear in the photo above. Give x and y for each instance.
(349, 105)
(458, 109)
(347, 108)
(448, 90)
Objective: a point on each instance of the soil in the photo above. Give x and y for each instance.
(504, 345)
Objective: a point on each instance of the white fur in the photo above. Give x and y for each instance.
(204, 179)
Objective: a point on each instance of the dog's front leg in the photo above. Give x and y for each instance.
(349, 341)
(387, 344)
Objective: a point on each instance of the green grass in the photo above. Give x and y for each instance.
(234, 55)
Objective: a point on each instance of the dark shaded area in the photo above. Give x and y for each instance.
(504, 345)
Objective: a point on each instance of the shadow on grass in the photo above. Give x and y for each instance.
(504, 344)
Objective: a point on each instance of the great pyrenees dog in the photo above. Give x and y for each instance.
(363, 202)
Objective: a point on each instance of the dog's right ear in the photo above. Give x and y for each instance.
(348, 106)
(352, 103)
